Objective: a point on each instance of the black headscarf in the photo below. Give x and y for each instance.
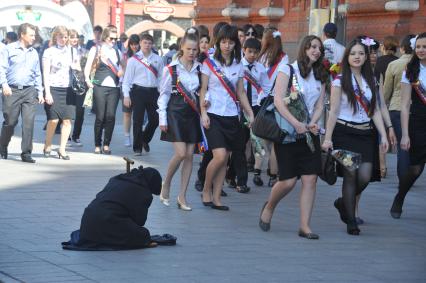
(145, 177)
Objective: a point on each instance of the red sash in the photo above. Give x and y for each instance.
(112, 67)
(420, 91)
(149, 67)
(362, 100)
(222, 78)
(250, 79)
(272, 69)
(184, 92)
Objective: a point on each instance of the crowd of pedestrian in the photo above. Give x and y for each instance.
(206, 92)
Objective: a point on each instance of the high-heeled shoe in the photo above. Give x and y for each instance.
(64, 157)
(164, 201)
(263, 225)
(46, 153)
(182, 206)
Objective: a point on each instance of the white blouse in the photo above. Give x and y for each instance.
(221, 102)
(346, 112)
(309, 86)
(422, 76)
(189, 79)
(60, 61)
(259, 74)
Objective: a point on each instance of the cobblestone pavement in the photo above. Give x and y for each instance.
(40, 204)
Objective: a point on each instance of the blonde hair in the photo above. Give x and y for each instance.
(59, 30)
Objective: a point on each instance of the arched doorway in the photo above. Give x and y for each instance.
(165, 32)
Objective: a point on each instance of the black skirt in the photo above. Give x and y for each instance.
(296, 159)
(417, 132)
(63, 106)
(224, 132)
(364, 142)
(183, 123)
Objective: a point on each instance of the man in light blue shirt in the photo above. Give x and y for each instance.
(20, 78)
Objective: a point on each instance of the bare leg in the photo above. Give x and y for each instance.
(50, 131)
(279, 190)
(307, 198)
(215, 173)
(126, 123)
(178, 157)
(186, 172)
(65, 133)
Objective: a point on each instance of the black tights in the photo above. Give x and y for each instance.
(406, 182)
(354, 182)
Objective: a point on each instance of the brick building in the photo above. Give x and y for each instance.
(296, 18)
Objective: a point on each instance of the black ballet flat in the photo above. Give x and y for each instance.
(309, 236)
(220, 207)
(352, 228)
(207, 203)
(263, 225)
(223, 194)
(396, 209)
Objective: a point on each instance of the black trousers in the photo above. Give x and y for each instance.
(79, 116)
(21, 102)
(106, 105)
(143, 99)
(207, 157)
(237, 165)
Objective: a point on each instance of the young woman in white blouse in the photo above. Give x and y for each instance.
(179, 114)
(104, 61)
(59, 97)
(413, 120)
(353, 110)
(221, 94)
(272, 56)
(296, 159)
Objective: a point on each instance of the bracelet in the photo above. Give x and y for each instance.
(388, 127)
(328, 141)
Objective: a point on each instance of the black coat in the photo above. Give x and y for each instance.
(116, 216)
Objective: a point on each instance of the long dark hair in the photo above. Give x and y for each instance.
(133, 39)
(366, 73)
(413, 67)
(231, 33)
(272, 47)
(320, 73)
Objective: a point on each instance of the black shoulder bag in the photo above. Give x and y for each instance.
(265, 125)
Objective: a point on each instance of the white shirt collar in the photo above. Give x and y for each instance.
(177, 62)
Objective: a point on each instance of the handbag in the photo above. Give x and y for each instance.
(78, 83)
(328, 168)
(265, 125)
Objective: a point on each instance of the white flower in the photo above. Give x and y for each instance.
(368, 41)
(276, 33)
(413, 42)
(347, 162)
(294, 95)
(287, 100)
(191, 31)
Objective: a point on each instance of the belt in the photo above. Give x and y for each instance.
(363, 126)
(20, 86)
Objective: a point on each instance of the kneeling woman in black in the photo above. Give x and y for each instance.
(353, 110)
(413, 121)
(222, 91)
(297, 159)
(179, 114)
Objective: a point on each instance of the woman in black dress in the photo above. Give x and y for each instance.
(353, 110)
(60, 99)
(179, 114)
(413, 121)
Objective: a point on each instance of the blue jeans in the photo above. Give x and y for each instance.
(403, 156)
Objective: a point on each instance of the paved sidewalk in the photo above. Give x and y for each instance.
(40, 204)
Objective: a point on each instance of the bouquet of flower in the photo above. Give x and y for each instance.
(350, 160)
(259, 149)
(297, 107)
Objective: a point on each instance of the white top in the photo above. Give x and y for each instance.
(105, 52)
(60, 61)
(346, 111)
(221, 102)
(333, 51)
(309, 86)
(138, 74)
(422, 76)
(189, 79)
(284, 61)
(258, 72)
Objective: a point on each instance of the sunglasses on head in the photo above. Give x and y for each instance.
(250, 33)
